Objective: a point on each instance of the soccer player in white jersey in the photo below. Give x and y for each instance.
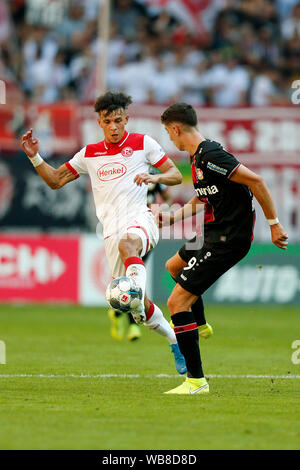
(119, 171)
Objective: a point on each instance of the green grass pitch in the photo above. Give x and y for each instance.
(45, 403)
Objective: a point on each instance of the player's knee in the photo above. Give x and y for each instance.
(179, 302)
(168, 265)
(171, 303)
(129, 246)
(123, 249)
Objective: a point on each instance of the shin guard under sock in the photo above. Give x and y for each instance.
(186, 331)
(198, 311)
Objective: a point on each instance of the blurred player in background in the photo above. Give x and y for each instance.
(119, 171)
(224, 190)
(119, 320)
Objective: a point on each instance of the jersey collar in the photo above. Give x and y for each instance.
(200, 147)
(109, 145)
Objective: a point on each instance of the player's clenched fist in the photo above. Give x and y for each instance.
(279, 236)
(30, 145)
(163, 219)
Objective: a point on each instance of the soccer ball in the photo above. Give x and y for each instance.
(123, 294)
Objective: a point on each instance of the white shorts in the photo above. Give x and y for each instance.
(144, 226)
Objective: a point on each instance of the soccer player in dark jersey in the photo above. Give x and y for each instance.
(224, 190)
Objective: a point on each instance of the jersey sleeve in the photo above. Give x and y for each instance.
(154, 153)
(220, 164)
(77, 164)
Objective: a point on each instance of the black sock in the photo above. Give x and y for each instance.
(198, 311)
(186, 331)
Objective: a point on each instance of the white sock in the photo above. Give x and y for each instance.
(135, 268)
(158, 323)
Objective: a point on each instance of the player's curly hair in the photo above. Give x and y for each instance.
(110, 101)
(180, 112)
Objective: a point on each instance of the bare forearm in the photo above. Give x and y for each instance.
(188, 210)
(54, 178)
(261, 192)
(170, 177)
(258, 187)
(48, 174)
(264, 198)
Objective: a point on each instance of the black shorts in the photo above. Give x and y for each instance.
(206, 265)
(191, 248)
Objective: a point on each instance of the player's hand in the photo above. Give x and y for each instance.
(162, 219)
(279, 236)
(30, 145)
(145, 178)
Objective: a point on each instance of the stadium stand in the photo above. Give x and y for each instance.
(246, 53)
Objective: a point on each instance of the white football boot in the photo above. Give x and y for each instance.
(139, 314)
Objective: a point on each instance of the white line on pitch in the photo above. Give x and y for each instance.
(137, 376)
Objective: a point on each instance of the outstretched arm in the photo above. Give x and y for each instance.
(54, 178)
(261, 192)
(191, 208)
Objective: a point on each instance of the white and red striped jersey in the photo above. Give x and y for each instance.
(112, 169)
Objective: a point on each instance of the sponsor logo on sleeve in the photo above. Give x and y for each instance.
(216, 168)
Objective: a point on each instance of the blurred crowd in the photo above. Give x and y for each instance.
(246, 53)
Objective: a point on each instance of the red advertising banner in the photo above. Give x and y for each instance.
(55, 125)
(255, 135)
(39, 269)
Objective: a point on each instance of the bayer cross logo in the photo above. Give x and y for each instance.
(199, 174)
(127, 152)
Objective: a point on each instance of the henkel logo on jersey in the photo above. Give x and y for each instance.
(111, 171)
(39, 268)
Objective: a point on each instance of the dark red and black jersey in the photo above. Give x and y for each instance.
(229, 212)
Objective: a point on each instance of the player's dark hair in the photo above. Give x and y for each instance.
(180, 112)
(110, 101)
